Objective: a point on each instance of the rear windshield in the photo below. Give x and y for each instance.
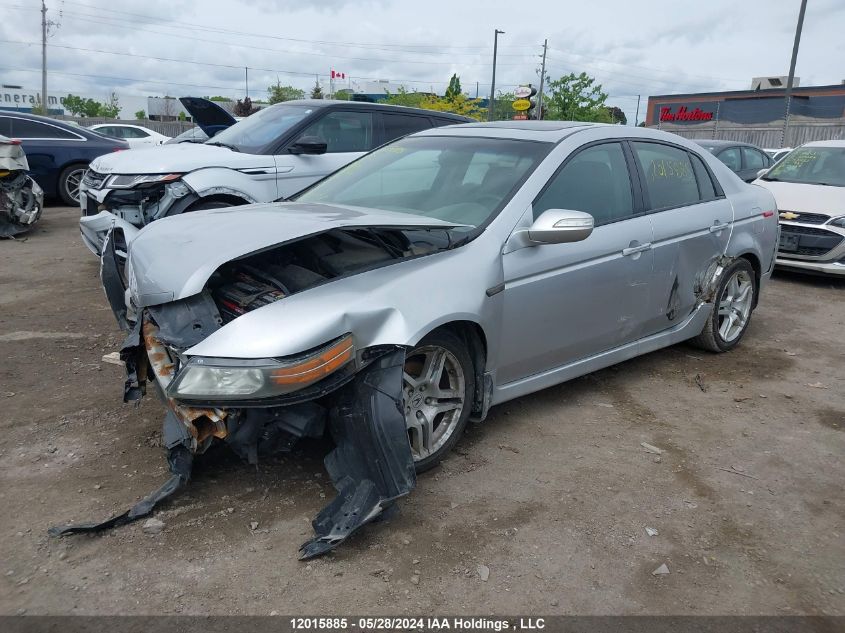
(464, 180)
(812, 166)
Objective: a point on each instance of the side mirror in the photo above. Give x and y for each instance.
(559, 226)
(308, 145)
(762, 173)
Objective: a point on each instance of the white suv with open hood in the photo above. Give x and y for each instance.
(272, 154)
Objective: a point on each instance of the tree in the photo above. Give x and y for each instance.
(111, 109)
(280, 93)
(244, 108)
(575, 98)
(80, 106)
(502, 107)
(140, 115)
(344, 94)
(454, 88)
(616, 115)
(408, 99)
(316, 91)
(182, 116)
(460, 104)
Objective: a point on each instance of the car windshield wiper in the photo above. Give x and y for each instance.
(221, 144)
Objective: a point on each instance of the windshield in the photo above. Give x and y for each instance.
(258, 130)
(811, 165)
(464, 180)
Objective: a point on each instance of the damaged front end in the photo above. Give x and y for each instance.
(265, 406)
(21, 199)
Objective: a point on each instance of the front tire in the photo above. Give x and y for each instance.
(735, 299)
(438, 387)
(69, 181)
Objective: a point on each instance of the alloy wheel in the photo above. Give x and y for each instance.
(72, 182)
(735, 305)
(434, 390)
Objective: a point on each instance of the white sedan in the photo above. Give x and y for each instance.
(135, 135)
(809, 186)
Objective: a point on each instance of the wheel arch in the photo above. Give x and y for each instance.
(752, 259)
(229, 198)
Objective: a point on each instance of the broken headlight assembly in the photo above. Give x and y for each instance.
(232, 379)
(131, 181)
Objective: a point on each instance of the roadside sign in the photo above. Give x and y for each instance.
(523, 92)
(521, 104)
(520, 117)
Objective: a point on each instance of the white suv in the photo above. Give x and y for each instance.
(272, 154)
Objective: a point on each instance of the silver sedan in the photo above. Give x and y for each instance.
(440, 275)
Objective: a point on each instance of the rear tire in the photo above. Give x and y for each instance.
(735, 301)
(438, 388)
(68, 185)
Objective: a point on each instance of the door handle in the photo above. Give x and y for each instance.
(633, 250)
(718, 226)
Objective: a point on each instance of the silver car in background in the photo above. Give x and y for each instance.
(440, 275)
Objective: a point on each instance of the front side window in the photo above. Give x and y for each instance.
(731, 158)
(344, 131)
(254, 133)
(754, 159)
(431, 176)
(811, 165)
(25, 128)
(596, 180)
(669, 177)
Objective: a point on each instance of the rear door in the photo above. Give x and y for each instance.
(565, 302)
(692, 222)
(348, 134)
(752, 162)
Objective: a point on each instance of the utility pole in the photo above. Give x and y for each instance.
(246, 82)
(637, 115)
(789, 81)
(542, 79)
(44, 109)
(496, 34)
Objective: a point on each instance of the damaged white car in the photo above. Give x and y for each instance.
(435, 277)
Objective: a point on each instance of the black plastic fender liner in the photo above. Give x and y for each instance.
(133, 354)
(113, 282)
(372, 465)
(179, 458)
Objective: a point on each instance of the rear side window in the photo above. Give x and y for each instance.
(596, 180)
(705, 183)
(5, 126)
(399, 125)
(731, 158)
(132, 132)
(754, 159)
(24, 128)
(669, 177)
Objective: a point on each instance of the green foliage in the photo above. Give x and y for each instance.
(454, 88)
(218, 98)
(316, 91)
(407, 99)
(140, 115)
(343, 95)
(81, 106)
(575, 98)
(502, 110)
(37, 108)
(279, 93)
(181, 116)
(616, 115)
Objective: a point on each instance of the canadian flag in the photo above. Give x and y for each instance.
(338, 75)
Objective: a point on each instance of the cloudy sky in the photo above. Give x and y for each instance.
(200, 47)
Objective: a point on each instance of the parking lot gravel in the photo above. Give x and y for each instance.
(726, 469)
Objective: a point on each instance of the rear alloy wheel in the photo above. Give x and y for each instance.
(69, 181)
(732, 313)
(438, 384)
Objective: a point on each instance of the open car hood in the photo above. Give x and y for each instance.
(174, 257)
(209, 116)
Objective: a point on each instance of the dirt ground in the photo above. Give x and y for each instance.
(552, 493)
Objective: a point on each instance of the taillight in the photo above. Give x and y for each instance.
(119, 149)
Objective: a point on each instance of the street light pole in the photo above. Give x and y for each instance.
(496, 33)
(44, 109)
(542, 79)
(788, 94)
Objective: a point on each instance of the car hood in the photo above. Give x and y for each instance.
(173, 258)
(801, 198)
(178, 158)
(209, 116)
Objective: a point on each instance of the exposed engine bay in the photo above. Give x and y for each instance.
(361, 404)
(21, 199)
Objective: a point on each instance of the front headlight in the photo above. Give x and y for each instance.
(130, 181)
(231, 379)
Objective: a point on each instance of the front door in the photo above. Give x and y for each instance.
(565, 302)
(348, 135)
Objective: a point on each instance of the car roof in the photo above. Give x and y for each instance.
(547, 131)
(832, 143)
(708, 142)
(366, 105)
(76, 128)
